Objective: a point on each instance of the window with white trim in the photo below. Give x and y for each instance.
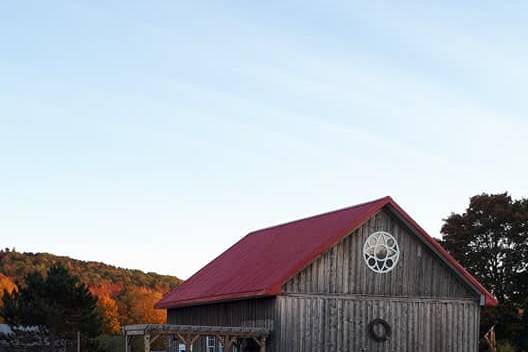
(210, 344)
(381, 252)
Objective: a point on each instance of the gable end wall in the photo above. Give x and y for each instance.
(419, 273)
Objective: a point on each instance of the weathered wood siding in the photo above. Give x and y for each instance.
(254, 313)
(342, 270)
(327, 306)
(311, 323)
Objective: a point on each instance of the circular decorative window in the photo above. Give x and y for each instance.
(381, 252)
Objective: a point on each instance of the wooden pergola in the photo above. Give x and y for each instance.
(188, 334)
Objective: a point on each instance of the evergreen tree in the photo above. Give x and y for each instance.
(58, 304)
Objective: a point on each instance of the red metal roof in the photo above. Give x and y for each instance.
(263, 261)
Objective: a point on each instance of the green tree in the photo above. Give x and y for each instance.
(58, 303)
(491, 240)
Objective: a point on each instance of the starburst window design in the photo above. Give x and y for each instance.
(381, 252)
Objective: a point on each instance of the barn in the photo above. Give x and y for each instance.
(363, 278)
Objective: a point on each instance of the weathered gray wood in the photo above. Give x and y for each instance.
(419, 272)
(250, 313)
(127, 342)
(422, 298)
(190, 334)
(228, 343)
(417, 324)
(146, 340)
(327, 306)
(191, 330)
(257, 313)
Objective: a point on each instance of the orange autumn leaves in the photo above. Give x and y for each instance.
(125, 296)
(129, 305)
(5, 284)
(109, 313)
(117, 305)
(137, 306)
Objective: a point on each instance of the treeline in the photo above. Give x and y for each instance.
(124, 296)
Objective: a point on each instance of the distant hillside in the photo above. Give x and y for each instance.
(16, 265)
(126, 296)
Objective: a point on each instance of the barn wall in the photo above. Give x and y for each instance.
(311, 323)
(342, 270)
(254, 313)
(328, 305)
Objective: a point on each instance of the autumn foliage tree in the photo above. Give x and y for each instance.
(109, 312)
(137, 305)
(124, 296)
(7, 286)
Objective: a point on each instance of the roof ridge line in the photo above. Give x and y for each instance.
(318, 215)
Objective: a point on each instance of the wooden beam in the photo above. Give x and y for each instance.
(262, 344)
(181, 338)
(166, 329)
(261, 341)
(221, 339)
(127, 343)
(188, 347)
(188, 334)
(146, 340)
(155, 338)
(188, 340)
(228, 343)
(194, 339)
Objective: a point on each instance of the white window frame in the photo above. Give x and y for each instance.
(210, 344)
(387, 245)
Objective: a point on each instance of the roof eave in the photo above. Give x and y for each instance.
(214, 299)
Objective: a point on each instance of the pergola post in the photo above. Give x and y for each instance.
(146, 340)
(261, 341)
(263, 344)
(125, 339)
(171, 341)
(188, 340)
(193, 339)
(228, 343)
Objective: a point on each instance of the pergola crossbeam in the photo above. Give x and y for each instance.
(188, 334)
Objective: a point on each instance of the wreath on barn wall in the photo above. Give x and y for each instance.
(379, 330)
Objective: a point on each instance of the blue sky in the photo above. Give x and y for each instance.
(153, 135)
